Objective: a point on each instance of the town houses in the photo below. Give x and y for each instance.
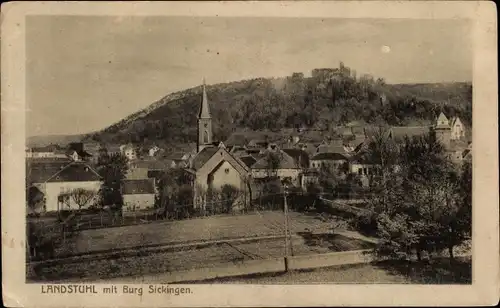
(242, 161)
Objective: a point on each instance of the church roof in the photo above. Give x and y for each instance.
(204, 109)
(203, 156)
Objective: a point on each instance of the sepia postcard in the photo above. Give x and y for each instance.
(249, 154)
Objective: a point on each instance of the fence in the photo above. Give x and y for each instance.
(84, 220)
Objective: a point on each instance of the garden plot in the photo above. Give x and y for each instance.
(195, 230)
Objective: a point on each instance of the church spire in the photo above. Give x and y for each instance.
(204, 110)
(204, 122)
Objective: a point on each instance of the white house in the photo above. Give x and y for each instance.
(285, 169)
(129, 151)
(138, 194)
(333, 161)
(60, 183)
(153, 150)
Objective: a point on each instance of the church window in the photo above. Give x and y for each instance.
(205, 137)
(226, 170)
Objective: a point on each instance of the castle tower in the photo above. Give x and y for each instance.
(443, 130)
(204, 123)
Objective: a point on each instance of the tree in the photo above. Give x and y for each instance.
(64, 198)
(425, 210)
(175, 192)
(273, 161)
(112, 169)
(384, 153)
(83, 197)
(41, 244)
(455, 221)
(36, 199)
(229, 194)
(327, 181)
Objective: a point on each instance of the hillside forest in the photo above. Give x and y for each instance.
(327, 99)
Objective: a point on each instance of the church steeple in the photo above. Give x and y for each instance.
(204, 110)
(204, 122)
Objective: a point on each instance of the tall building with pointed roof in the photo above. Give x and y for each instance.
(443, 130)
(204, 122)
(214, 167)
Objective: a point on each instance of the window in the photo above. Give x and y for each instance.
(226, 170)
(205, 137)
(360, 171)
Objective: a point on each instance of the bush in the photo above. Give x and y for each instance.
(365, 222)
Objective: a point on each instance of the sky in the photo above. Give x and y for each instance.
(84, 73)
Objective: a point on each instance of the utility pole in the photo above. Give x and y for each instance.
(286, 227)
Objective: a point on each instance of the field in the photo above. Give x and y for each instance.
(211, 228)
(167, 246)
(180, 259)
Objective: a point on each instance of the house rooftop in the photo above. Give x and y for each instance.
(285, 161)
(75, 172)
(40, 172)
(80, 153)
(248, 160)
(329, 148)
(362, 158)
(300, 157)
(151, 164)
(237, 139)
(329, 156)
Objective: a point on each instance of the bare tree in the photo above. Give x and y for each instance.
(83, 197)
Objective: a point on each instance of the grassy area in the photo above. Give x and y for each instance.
(96, 269)
(438, 272)
(142, 262)
(199, 229)
(126, 254)
(361, 273)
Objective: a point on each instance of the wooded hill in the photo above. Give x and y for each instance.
(331, 97)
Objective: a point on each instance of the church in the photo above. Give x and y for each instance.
(214, 167)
